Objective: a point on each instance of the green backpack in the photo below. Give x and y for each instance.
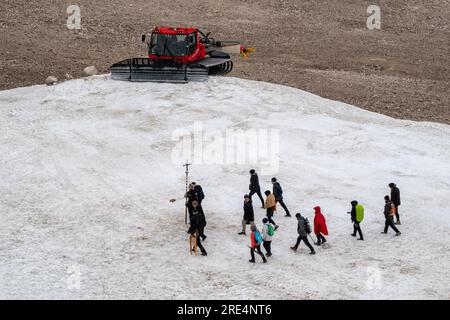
(270, 230)
(359, 213)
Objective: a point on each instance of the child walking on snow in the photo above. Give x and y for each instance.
(255, 245)
(320, 226)
(271, 207)
(267, 233)
(389, 214)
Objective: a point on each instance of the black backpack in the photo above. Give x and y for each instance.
(199, 192)
(307, 226)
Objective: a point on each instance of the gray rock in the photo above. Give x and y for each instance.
(51, 80)
(90, 71)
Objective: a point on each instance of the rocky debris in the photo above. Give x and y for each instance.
(90, 71)
(51, 80)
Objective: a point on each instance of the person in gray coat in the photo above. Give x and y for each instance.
(303, 228)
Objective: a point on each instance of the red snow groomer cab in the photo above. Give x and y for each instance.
(179, 55)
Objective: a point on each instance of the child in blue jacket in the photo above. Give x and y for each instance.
(255, 244)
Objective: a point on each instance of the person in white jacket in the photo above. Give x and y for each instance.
(267, 234)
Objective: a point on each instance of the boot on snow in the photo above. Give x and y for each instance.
(240, 233)
(398, 233)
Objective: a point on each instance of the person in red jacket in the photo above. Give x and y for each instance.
(255, 244)
(320, 226)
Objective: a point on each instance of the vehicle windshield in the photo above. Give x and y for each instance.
(172, 44)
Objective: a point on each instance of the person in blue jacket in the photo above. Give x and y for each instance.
(255, 244)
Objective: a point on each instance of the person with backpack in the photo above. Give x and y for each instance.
(249, 217)
(357, 216)
(395, 198)
(267, 233)
(389, 213)
(197, 227)
(320, 226)
(303, 229)
(271, 207)
(254, 186)
(278, 193)
(199, 195)
(255, 244)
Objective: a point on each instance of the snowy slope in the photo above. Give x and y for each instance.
(86, 176)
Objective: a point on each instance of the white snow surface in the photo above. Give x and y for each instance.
(86, 176)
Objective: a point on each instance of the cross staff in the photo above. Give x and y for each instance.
(187, 164)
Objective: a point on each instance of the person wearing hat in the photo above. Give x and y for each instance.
(320, 226)
(267, 234)
(357, 215)
(254, 186)
(278, 194)
(389, 213)
(303, 228)
(255, 244)
(271, 207)
(248, 214)
(395, 198)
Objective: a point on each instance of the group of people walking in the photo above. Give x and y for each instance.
(195, 195)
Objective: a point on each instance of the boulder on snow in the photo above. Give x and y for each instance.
(51, 80)
(90, 71)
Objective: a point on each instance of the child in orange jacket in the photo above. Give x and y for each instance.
(271, 207)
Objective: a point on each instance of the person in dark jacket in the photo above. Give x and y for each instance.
(254, 186)
(395, 198)
(389, 213)
(197, 227)
(249, 217)
(278, 193)
(190, 198)
(197, 209)
(356, 226)
(303, 228)
(199, 195)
